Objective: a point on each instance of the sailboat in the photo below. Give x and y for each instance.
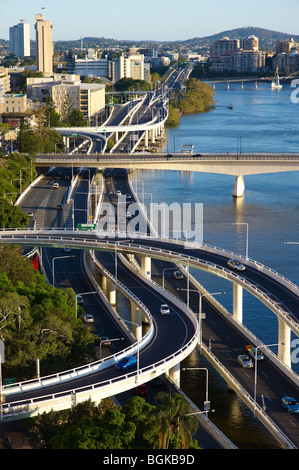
(275, 85)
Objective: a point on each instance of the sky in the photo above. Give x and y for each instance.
(157, 20)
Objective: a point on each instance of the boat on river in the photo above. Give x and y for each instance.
(275, 85)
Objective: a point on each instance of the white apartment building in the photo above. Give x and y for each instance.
(19, 39)
(44, 45)
(127, 66)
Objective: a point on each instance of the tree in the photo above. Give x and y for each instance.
(11, 216)
(175, 426)
(52, 118)
(76, 119)
(67, 108)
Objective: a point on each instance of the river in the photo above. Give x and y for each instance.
(262, 120)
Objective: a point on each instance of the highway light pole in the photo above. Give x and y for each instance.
(199, 319)
(206, 403)
(108, 340)
(83, 293)
(58, 257)
(136, 324)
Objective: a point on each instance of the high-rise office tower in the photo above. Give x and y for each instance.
(44, 45)
(19, 39)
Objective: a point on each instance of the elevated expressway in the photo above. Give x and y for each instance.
(99, 379)
(265, 285)
(226, 164)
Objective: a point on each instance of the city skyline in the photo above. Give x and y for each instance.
(166, 21)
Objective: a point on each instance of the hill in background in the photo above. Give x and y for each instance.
(267, 38)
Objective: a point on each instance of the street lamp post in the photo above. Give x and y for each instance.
(207, 385)
(255, 371)
(136, 324)
(58, 257)
(108, 340)
(83, 293)
(200, 308)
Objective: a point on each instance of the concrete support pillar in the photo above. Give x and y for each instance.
(239, 187)
(105, 285)
(146, 266)
(146, 138)
(238, 302)
(111, 294)
(66, 141)
(116, 136)
(284, 336)
(153, 135)
(136, 317)
(175, 374)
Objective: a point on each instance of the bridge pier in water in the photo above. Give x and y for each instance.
(239, 187)
(238, 302)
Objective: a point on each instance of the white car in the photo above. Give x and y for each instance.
(245, 361)
(235, 264)
(88, 318)
(56, 185)
(164, 309)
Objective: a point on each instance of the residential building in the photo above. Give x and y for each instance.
(285, 46)
(16, 103)
(91, 65)
(44, 45)
(241, 55)
(89, 98)
(247, 61)
(19, 39)
(127, 66)
(14, 110)
(287, 63)
(38, 88)
(251, 43)
(5, 79)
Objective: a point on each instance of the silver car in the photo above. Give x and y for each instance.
(245, 361)
(235, 264)
(164, 309)
(88, 318)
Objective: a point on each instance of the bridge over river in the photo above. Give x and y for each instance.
(238, 165)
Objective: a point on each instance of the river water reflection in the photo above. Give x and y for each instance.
(262, 120)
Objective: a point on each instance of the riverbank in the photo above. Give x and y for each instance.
(198, 98)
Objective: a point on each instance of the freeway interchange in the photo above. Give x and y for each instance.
(171, 333)
(228, 340)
